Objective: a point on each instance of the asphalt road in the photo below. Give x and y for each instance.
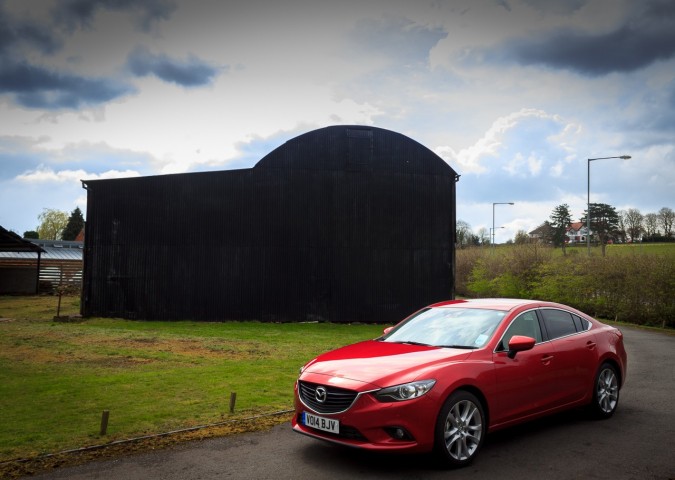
(637, 443)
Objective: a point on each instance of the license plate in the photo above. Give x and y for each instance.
(321, 423)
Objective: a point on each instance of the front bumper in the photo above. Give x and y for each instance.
(373, 425)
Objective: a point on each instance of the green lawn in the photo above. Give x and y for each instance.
(56, 378)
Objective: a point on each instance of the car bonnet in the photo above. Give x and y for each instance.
(376, 364)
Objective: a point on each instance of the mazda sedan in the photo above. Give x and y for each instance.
(444, 377)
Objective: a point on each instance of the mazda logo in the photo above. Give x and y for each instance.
(320, 394)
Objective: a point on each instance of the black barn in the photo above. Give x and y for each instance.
(341, 224)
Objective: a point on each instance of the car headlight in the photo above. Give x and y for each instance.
(407, 391)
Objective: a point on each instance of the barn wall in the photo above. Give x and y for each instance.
(337, 225)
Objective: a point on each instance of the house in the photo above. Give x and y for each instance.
(542, 234)
(343, 224)
(576, 233)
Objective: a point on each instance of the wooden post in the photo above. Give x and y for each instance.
(104, 422)
(233, 399)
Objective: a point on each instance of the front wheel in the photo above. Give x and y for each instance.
(605, 391)
(460, 429)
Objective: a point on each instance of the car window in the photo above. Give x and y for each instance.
(581, 323)
(526, 325)
(558, 323)
(447, 327)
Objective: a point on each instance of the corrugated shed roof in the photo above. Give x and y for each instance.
(52, 250)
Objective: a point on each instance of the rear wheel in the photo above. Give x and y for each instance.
(460, 429)
(605, 391)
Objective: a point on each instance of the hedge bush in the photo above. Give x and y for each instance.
(635, 287)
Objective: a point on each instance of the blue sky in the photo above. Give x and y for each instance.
(515, 95)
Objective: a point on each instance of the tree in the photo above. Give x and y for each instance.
(31, 234)
(651, 224)
(632, 219)
(462, 233)
(621, 229)
(484, 236)
(522, 238)
(560, 222)
(74, 226)
(604, 222)
(666, 219)
(52, 223)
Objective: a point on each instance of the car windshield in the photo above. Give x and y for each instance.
(447, 327)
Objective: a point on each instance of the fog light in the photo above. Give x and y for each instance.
(398, 433)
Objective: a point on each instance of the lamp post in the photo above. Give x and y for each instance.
(493, 218)
(588, 198)
(492, 234)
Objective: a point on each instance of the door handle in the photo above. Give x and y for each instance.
(546, 359)
(590, 345)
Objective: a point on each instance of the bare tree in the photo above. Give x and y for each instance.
(522, 238)
(666, 219)
(621, 228)
(633, 223)
(484, 235)
(462, 233)
(651, 224)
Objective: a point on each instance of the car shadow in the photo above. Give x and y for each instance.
(509, 443)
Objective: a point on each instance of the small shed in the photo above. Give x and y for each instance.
(18, 276)
(39, 266)
(342, 224)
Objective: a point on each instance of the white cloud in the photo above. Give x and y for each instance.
(44, 174)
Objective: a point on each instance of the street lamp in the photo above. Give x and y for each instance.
(588, 198)
(493, 218)
(492, 234)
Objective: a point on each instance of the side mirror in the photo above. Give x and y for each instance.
(519, 343)
(387, 330)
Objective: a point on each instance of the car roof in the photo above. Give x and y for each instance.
(504, 304)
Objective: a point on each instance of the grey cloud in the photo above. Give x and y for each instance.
(74, 14)
(14, 33)
(564, 7)
(648, 36)
(397, 38)
(192, 72)
(37, 87)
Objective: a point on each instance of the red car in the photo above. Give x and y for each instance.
(444, 377)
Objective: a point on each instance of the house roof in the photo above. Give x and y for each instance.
(11, 242)
(575, 226)
(542, 229)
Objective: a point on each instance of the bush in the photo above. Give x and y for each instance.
(633, 287)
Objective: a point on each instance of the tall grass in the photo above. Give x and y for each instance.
(633, 284)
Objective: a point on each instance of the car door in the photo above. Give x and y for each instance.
(575, 353)
(524, 383)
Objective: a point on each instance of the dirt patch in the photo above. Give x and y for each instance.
(32, 466)
(126, 351)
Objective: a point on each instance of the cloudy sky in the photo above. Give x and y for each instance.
(515, 95)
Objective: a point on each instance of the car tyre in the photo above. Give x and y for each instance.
(460, 429)
(605, 391)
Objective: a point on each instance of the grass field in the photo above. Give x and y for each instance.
(57, 377)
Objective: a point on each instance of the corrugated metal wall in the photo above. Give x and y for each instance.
(339, 224)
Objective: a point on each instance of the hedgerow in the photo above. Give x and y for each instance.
(635, 287)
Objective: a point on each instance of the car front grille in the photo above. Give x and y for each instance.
(337, 399)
